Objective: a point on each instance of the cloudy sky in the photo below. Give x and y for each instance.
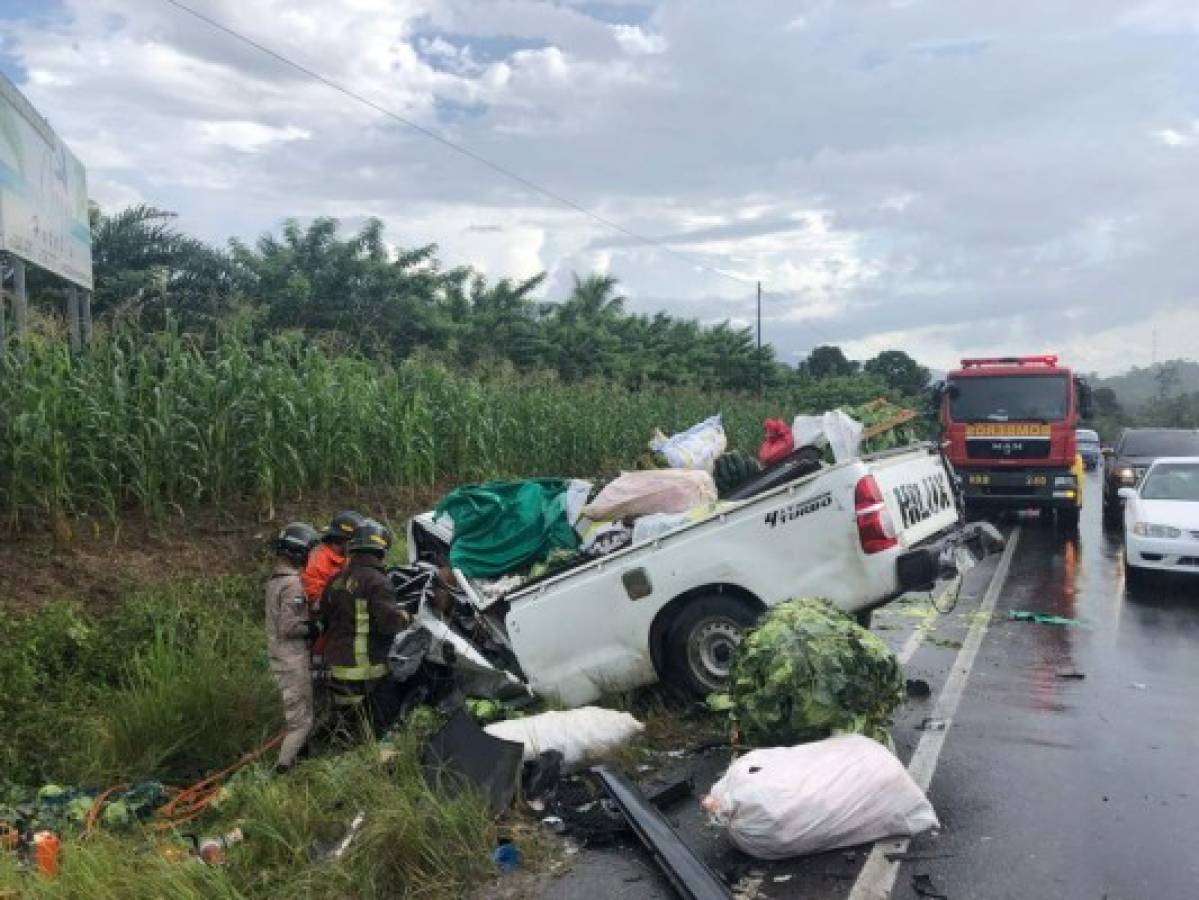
(940, 176)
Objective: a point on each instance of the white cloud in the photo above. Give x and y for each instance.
(1172, 137)
(633, 39)
(975, 196)
(248, 137)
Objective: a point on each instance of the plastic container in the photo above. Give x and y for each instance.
(46, 847)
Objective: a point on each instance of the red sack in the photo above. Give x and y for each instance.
(778, 444)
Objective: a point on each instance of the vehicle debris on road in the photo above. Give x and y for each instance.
(1022, 615)
(689, 875)
(917, 688)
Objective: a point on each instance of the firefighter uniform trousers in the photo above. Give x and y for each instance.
(287, 650)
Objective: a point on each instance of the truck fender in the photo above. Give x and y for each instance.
(660, 627)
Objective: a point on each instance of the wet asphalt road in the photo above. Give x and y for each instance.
(1046, 786)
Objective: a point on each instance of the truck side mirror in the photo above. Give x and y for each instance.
(1086, 405)
(935, 393)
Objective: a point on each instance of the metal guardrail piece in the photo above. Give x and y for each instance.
(687, 873)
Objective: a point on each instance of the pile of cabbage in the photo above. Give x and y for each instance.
(808, 671)
(59, 809)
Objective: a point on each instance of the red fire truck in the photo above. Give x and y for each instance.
(1008, 429)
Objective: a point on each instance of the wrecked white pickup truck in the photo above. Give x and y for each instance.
(673, 608)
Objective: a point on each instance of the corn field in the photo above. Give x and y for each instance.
(158, 422)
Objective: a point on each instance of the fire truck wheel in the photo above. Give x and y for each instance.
(1067, 518)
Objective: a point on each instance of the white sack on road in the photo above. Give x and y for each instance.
(842, 791)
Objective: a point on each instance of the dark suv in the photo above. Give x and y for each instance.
(1133, 454)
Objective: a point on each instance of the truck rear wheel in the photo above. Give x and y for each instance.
(1067, 517)
(701, 642)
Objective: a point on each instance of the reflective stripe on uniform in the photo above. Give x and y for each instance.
(362, 670)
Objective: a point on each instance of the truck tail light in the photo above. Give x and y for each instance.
(876, 531)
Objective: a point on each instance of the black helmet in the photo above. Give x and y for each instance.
(296, 539)
(342, 525)
(370, 537)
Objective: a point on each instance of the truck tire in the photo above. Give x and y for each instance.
(701, 641)
(1111, 511)
(1068, 516)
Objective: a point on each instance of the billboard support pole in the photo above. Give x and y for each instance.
(73, 317)
(20, 309)
(87, 318)
(3, 304)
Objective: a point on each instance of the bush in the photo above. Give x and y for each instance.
(171, 682)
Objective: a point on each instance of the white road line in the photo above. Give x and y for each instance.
(912, 644)
(877, 877)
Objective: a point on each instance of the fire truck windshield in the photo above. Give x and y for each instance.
(1009, 398)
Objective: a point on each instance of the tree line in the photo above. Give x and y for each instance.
(1160, 398)
(358, 293)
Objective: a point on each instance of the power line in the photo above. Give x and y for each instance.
(456, 147)
(820, 333)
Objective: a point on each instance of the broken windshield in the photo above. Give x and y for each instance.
(1043, 398)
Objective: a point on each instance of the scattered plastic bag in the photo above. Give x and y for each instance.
(844, 435)
(778, 444)
(579, 734)
(839, 792)
(649, 527)
(696, 448)
(808, 431)
(577, 492)
(602, 538)
(653, 491)
(836, 429)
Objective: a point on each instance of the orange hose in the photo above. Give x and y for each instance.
(93, 814)
(193, 801)
(187, 803)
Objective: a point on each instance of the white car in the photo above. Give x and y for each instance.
(1161, 518)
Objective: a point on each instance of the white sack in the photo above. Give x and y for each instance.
(652, 491)
(580, 735)
(839, 792)
(696, 448)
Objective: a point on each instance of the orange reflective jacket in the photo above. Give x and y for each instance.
(323, 564)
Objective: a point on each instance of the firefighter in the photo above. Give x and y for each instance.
(361, 617)
(330, 557)
(288, 630)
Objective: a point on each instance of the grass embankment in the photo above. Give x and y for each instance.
(172, 685)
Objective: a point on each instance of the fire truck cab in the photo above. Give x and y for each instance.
(1008, 428)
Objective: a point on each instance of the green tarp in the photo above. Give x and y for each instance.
(503, 526)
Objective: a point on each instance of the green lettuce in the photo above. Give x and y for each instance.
(807, 672)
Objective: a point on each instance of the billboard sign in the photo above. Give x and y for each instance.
(43, 193)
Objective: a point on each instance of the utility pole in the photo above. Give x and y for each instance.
(760, 391)
(1154, 360)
